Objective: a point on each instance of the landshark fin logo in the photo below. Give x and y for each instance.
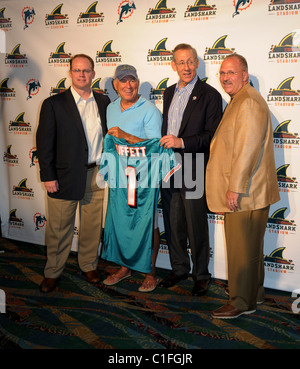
(10, 158)
(107, 55)
(59, 88)
(15, 57)
(59, 56)
(218, 51)
(125, 10)
(55, 18)
(161, 13)
(96, 87)
(5, 91)
(14, 221)
(286, 183)
(4, 22)
(158, 92)
(200, 11)
(90, 17)
(275, 262)
(284, 93)
(22, 191)
(160, 55)
(277, 223)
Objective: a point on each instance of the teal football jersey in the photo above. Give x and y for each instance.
(134, 173)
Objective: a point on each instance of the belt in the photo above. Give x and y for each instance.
(92, 165)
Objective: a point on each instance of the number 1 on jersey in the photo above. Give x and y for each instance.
(131, 188)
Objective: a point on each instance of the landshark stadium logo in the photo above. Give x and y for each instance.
(283, 139)
(90, 18)
(6, 93)
(125, 10)
(59, 57)
(284, 95)
(284, 7)
(14, 221)
(5, 23)
(200, 11)
(158, 92)
(15, 58)
(39, 221)
(96, 87)
(160, 55)
(107, 56)
(28, 16)
(277, 223)
(55, 19)
(240, 5)
(275, 262)
(288, 49)
(59, 88)
(286, 183)
(32, 88)
(161, 13)
(218, 52)
(9, 158)
(19, 126)
(33, 157)
(215, 218)
(22, 191)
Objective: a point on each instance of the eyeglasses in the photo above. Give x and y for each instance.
(84, 71)
(189, 63)
(229, 74)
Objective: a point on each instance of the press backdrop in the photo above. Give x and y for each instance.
(37, 39)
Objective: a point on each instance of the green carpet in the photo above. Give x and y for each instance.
(78, 315)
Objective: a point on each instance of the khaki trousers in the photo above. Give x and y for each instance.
(244, 233)
(60, 228)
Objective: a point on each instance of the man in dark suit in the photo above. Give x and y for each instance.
(192, 110)
(69, 145)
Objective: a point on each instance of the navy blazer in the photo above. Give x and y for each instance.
(201, 118)
(61, 144)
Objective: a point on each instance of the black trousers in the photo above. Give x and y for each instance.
(185, 222)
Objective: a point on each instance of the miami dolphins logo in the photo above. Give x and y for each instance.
(39, 220)
(32, 87)
(28, 16)
(33, 157)
(125, 10)
(240, 5)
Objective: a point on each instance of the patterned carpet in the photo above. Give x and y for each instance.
(79, 315)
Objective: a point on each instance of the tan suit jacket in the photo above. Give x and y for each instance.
(242, 155)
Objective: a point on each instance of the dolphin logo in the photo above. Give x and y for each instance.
(126, 8)
(39, 221)
(32, 86)
(28, 14)
(238, 4)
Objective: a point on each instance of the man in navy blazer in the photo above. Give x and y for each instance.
(192, 110)
(69, 140)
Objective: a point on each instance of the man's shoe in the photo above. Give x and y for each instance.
(93, 276)
(48, 284)
(229, 312)
(200, 287)
(172, 279)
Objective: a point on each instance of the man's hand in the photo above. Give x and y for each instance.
(117, 132)
(52, 186)
(171, 142)
(232, 199)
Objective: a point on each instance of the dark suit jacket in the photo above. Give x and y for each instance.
(199, 122)
(61, 144)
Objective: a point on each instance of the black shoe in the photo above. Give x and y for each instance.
(200, 287)
(172, 279)
(49, 284)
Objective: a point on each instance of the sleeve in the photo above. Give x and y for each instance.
(46, 142)
(249, 135)
(153, 122)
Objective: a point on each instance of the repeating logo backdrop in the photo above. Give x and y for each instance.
(38, 38)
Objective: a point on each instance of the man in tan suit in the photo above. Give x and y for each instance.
(241, 182)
